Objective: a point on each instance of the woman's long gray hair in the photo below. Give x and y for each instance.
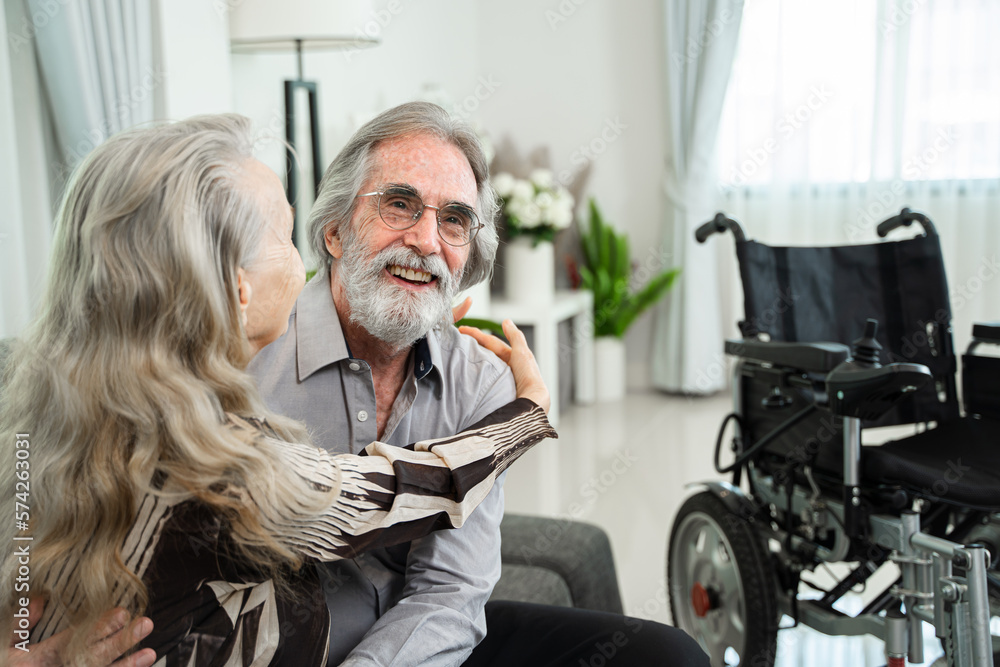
(138, 353)
(346, 175)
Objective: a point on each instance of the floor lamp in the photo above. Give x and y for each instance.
(296, 25)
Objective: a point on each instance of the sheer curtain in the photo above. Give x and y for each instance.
(839, 114)
(700, 38)
(71, 74)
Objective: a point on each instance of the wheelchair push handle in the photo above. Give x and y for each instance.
(906, 218)
(718, 225)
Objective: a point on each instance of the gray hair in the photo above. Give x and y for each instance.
(137, 354)
(344, 178)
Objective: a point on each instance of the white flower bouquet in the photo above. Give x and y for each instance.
(536, 207)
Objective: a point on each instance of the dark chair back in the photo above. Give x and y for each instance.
(826, 294)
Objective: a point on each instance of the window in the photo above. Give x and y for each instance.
(863, 90)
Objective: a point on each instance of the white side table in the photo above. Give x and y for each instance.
(577, 306)
(574, 305)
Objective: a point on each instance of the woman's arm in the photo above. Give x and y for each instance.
(397, 494)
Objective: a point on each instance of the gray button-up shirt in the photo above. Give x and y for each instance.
(419, 603)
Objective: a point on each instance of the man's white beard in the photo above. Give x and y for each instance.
(394, 315)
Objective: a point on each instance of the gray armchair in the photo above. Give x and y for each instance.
(547, 561)
(559, 562)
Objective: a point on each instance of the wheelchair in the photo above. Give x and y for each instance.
(837, 341)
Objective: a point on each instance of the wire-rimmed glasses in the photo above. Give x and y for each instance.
(400, 207)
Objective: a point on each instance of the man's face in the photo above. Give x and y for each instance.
(383, 296)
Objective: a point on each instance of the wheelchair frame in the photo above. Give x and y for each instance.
(797, 526)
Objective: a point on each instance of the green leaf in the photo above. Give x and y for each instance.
(623, 264)
(646, 297)
(485, 325)
(607, 272)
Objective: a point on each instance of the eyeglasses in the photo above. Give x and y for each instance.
(400, 208)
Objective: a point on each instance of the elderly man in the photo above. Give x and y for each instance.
(405, 218)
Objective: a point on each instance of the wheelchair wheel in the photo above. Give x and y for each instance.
(722, 589)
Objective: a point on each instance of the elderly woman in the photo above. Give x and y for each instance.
(154, 476)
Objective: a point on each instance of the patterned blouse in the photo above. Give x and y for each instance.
(212, 610)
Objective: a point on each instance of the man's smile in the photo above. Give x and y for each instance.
(409, 275)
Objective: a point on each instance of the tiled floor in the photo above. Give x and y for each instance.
(625, 466)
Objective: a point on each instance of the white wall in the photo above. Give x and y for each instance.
(585, 79)
(581, 77)
(192, 44)
(432, 42)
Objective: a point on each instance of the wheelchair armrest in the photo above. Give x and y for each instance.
(809, 357)
(986, 332)
(866, 392)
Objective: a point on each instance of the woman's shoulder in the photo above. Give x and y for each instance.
(311, 462)
(254, 426)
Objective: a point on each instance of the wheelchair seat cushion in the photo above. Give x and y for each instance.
(959, 461)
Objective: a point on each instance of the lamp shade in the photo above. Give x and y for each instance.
(276, 25)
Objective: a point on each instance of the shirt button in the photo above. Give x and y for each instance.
(355, 366)
(362, 416)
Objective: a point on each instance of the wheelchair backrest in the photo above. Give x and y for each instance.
(826, 294)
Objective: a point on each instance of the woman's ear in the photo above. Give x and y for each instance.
(333, 244)
(246, 292)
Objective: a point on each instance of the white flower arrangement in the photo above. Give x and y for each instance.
(536, 207)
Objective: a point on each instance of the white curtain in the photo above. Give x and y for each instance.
(828, 132)
(71, 74)
(24, 173)
(96, 60)
(700, 39)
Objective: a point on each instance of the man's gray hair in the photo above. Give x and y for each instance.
(346, 175)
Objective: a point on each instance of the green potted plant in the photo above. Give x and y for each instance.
(607, 272)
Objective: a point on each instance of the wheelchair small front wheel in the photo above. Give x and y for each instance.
(721, 584)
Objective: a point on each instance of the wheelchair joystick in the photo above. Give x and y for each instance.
(862, 388)
(866, 350)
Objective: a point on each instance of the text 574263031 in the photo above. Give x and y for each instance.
(22, 519)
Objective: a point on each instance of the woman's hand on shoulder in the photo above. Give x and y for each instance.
(518, 356)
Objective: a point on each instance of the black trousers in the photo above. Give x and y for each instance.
(519, 634)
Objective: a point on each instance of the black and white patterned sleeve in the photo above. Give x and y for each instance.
(397, 494)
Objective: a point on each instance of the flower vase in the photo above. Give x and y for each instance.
(609, 368)
(529, 272)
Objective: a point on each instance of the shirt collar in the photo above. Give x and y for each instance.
(320, 338)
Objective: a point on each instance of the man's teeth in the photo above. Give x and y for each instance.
(410, 274)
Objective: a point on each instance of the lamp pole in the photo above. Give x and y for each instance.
(291, 170)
